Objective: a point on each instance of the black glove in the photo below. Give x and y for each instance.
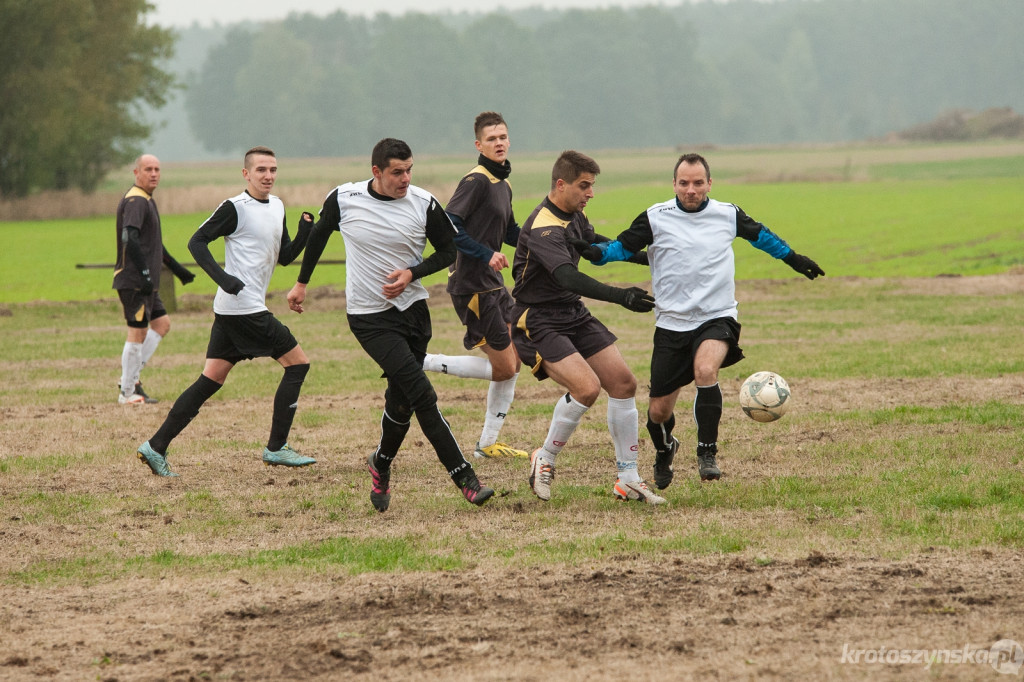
(233, 285)
(636, 299)
(802, 264)
(181, 272)
(586, 249)
(184, 275)
(147, 283)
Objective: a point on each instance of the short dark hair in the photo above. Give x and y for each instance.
(387, 149)
(487, 118)
(692, 159)
(259, 149)
(570, 165)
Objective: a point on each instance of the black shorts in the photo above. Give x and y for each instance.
(244, 337)
(397, 341)
(139, 310)
(672, 357)
(486, 316)
(554, 333)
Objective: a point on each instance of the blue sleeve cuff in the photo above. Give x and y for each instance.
(771, 244)
(611, 252)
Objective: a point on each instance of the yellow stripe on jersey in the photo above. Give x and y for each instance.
(545, 218)
(484, 172)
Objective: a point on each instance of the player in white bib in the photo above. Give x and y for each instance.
(689, 245)
(256, 239)
(386, 223)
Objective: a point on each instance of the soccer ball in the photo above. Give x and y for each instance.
(764, 396)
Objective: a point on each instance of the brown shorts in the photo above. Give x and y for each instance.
(140, 310)
(486, 316)
(551, 334)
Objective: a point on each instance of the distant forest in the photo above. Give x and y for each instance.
(741, 72)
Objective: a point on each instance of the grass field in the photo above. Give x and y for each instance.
(885, 511)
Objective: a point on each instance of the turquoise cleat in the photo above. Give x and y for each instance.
(157, 463)
(286, 457)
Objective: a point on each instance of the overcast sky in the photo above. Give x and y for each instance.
(179, 13)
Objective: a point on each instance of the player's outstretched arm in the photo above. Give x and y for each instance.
(802, 264)
(631, 298)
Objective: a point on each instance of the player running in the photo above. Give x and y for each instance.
(689, 245)
(386, 223)
(557, 336)
(481, 209)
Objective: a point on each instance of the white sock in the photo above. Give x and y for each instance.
(623, 425)
(149, 346)
(499, 400)
(465, 366)
(131, 364)
(564, 421)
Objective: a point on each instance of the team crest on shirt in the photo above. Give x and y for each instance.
(545, 233)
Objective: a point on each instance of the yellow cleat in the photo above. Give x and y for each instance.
(499, 450)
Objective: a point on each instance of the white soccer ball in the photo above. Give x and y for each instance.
(764, 396)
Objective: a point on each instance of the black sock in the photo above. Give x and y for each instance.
(463, 476)
(707, 411)
(661, 434)
(184, 410)
(286, 400)
(440, 435)
(392, 433)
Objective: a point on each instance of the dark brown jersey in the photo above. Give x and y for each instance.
(138, 209)
(484, 204)
(543, 247)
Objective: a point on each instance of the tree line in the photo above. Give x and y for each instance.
(74, 75)
(709, 73)
(82, 82)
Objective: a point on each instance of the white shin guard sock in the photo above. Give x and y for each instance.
(149, 346)
(131, 365)
(499, 400)
(465, 366)
(564, 421)
(625, 431)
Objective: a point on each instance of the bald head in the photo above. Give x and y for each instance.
(147, 172)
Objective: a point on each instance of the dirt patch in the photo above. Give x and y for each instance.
(801, 600)
(681, 618)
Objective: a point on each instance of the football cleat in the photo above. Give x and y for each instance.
(499, 450)
(663, 471)
(156, 462)
(133, 399)
(473, 491)
(286, 457)
(145, 398)
(542, 473)
(706, 464)
(380, 490)
(637, 491)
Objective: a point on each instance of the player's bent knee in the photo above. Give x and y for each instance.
(659, 411)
